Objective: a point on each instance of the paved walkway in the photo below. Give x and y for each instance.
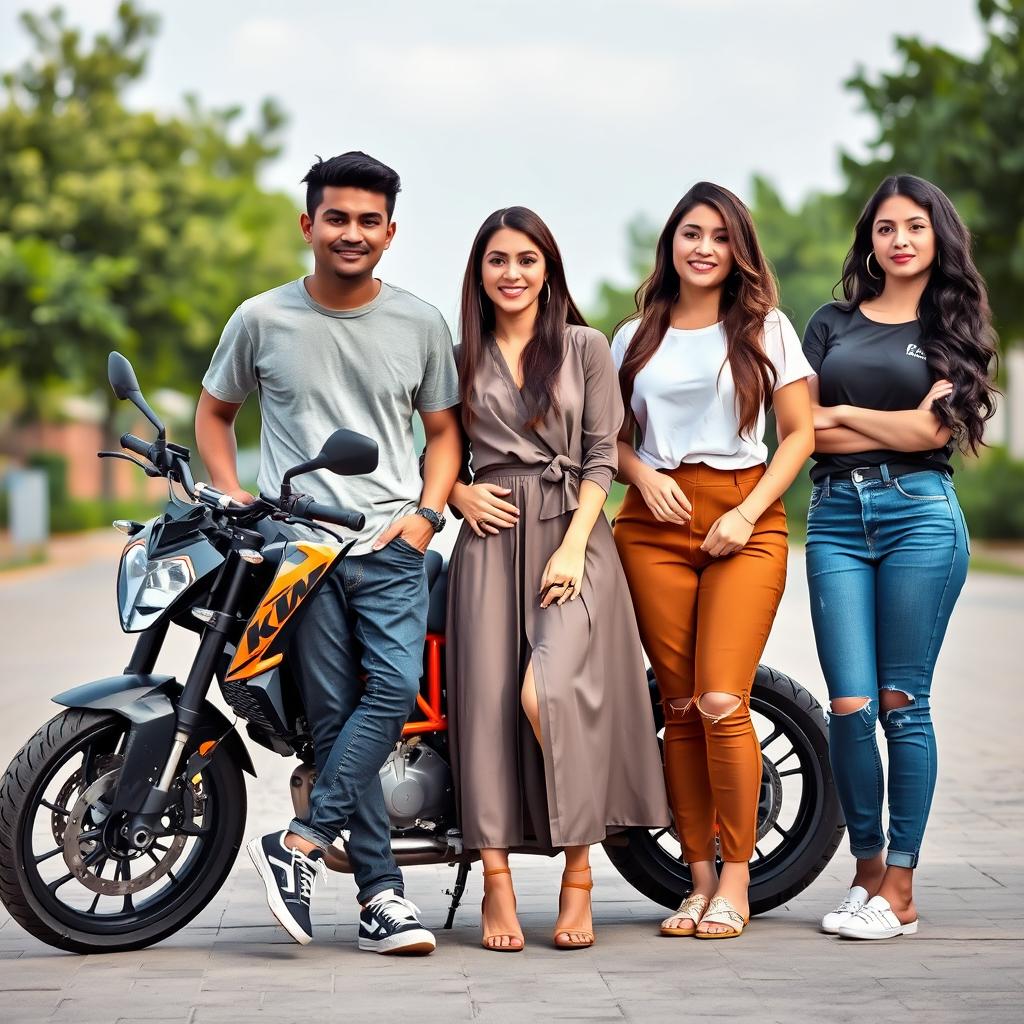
(233, 964)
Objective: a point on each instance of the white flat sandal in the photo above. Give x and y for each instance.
(721, 911)
(875, 920)
(855, 899)
(691, 909)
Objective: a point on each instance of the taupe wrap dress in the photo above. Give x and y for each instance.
(600, 769)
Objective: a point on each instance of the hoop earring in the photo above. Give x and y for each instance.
(547, 298)
(480, 299)
(867, 267)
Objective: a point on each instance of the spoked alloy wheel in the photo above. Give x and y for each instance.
(67, 872)
(800, 823)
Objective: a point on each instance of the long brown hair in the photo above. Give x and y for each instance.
(750, 293)
(543, 356)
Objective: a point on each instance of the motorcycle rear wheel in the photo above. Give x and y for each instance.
(800, 823)
(55, 784)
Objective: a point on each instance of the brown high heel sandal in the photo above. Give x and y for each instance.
(487, 939)
(559, 942)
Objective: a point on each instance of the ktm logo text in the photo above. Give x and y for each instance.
(291, 586)
(280, 609)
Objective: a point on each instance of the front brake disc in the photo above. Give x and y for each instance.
(59, 816)
(78, 851)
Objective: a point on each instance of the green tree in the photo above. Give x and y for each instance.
(959, 122)
(123, 228)
(805, 246)
(615, 302)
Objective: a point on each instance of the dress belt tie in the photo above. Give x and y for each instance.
(560, 482)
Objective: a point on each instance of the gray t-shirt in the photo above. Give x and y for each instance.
(318, 369)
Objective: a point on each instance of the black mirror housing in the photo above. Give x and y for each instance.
(348, 454)
(123, 381)
(345, 453)
(125, 385)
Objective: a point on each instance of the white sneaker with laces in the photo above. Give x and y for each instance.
(855, 899)
(875, 920)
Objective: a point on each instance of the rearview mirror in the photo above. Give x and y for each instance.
(121, 376)
(345, 452)
(125, 385)
(348, 454)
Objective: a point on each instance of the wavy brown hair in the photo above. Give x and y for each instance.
(956, 322)
(749, 295)
(543, 356)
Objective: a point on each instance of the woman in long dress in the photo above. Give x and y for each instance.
(553, 736)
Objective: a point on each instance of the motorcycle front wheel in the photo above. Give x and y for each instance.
(66, 879)
(800, 822)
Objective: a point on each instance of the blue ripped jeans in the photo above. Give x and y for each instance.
(886, 560)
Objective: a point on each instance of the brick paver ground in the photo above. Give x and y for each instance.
(233, 964)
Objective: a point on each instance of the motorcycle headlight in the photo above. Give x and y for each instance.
(147, 587)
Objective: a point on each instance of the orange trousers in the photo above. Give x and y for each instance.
(704, 622)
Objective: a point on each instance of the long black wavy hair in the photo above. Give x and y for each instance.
(955, 318)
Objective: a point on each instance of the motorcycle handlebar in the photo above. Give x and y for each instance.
(306, 508)
(309, 509)
(136, 445)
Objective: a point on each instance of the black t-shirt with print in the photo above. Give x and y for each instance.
(873, 366)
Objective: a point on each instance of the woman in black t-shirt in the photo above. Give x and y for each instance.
(902, 376)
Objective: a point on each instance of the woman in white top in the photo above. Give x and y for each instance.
(702, 531)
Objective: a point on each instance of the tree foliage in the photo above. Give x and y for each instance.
(956, 120)
(615, 302)
(959, 121)
(124, 228)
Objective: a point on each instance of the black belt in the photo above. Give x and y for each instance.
(896, 469)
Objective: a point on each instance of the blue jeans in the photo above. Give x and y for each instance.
(370, 617)
(886, 560)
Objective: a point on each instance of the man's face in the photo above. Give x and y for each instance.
(349, 231)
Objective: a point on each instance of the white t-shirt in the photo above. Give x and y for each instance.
(684, 399)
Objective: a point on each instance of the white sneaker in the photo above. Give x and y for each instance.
(875, 920)
(855, 899)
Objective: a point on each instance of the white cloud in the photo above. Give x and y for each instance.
(460, 84)
(455, 83)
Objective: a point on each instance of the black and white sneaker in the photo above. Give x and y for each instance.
(388, 924)
(289, 876)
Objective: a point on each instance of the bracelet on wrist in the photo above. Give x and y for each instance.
(743, 517)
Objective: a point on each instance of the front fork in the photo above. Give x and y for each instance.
(144, 824)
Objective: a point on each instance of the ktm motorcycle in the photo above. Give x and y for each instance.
(122, 816)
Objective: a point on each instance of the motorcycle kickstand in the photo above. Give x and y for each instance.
(456, 893)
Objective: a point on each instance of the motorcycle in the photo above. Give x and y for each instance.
(121, 818)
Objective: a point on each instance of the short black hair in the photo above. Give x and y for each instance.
(351, 170)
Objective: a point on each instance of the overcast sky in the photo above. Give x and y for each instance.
(588, 111)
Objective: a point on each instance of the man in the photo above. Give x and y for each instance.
(341, 348)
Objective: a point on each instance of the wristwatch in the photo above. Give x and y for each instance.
(436, 521)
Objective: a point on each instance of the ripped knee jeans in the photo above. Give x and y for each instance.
(886, 560)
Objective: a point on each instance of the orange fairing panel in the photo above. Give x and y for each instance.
(261, 646)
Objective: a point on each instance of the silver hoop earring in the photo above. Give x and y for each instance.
(867, 266)
(547, 298)
(480, 300)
